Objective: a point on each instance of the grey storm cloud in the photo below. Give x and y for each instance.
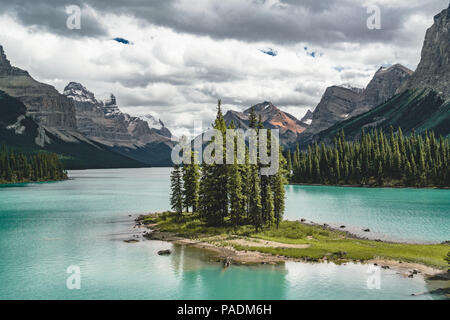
(284, 22)
(183, 77)
(50, 15)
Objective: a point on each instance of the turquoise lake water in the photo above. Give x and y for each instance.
(47, 227)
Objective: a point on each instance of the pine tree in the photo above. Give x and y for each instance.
(270, 207)
(213, 196)
(289, 162)
(237, 203)
(176, 198)
(279, 198)
(255, 207)
(191, 182)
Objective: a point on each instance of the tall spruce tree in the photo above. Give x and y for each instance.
(236, 197)
(191, 182)
(255, 207)
(214, 181)
(176, 185)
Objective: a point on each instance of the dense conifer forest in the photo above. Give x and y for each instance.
(377, 159)
(16, 167)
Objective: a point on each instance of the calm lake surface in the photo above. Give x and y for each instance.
(47, 227)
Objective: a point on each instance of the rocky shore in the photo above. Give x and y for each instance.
(223, 250)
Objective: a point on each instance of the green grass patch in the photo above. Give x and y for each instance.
(324, 242)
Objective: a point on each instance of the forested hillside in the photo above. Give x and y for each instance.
(376, 159)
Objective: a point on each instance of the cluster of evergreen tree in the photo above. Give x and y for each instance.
(235, 194)
(376, 159)
(17, 167)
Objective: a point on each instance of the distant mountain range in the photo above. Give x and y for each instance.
(338, 104)
(88, 133)
(20, 131)
(144, 138)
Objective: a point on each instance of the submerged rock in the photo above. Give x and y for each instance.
(131, 241)
(227, 262)
(165, 252)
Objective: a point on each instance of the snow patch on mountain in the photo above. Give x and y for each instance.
(152, 122)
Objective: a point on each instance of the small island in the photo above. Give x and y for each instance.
(293, 241)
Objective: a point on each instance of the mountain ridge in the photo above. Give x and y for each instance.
(44, 103)
(20, 131)
(272, 118)
(104, 122)
(343, 102)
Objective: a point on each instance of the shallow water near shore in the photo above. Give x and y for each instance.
(45, 228)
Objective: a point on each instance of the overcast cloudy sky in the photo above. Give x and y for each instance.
(185, 54)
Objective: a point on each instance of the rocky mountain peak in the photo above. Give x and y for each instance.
(3, 60)
(336, 105)
(307, 118)
(111, 101)
(433, 71)
(5, 66)
(78, 92)
(342, 102)
(394, 68)
(383, 86)
(261, 107)
(110, 107)
(352, 87)
(272, 118)
(43, 102)
(152, 121)
(102, 120)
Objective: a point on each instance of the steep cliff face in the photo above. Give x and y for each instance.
(340, 103)
(43, 102)
(433, 71)
(382, 87)
(103, 120)
(336, 105)
(272, 118)
(307, 118)
(144, 139)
